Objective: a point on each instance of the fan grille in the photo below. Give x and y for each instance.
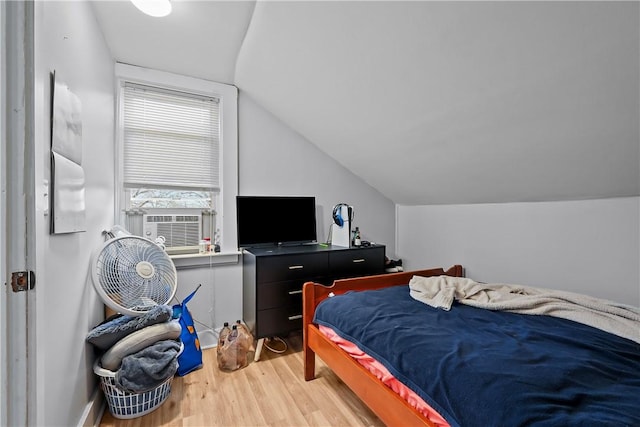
(125, 279)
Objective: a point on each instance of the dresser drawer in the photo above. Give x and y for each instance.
(291, 267)
(354, 262)
(279, 294)
(272, 280)
(278, 321)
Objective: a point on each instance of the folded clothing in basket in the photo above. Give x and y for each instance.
(110, 332)
(139, 340)
(148, 368)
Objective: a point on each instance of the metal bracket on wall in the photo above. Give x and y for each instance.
(22, 280)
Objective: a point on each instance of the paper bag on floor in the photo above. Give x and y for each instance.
(235, 346)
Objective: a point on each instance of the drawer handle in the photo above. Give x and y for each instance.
(359, 260)
(296, 317)
(296, 267)
(299, 291)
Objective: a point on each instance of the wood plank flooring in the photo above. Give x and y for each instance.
(271, 392)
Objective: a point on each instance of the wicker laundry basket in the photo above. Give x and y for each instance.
(123, 404)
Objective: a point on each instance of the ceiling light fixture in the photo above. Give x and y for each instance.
(156, 8)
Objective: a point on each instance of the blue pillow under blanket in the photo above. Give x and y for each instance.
(105, 335)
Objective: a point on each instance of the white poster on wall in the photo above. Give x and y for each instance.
(68, 195)
(67, 175)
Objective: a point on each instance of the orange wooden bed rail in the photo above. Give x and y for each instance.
(387, 405)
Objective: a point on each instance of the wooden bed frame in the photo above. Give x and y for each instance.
(392, 409)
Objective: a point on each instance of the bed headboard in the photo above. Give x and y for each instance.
(313, 293)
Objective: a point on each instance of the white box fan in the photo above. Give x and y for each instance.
(132, 274)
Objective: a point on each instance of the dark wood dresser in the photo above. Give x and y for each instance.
(273, 278)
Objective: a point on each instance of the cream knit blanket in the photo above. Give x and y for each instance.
(441, 291)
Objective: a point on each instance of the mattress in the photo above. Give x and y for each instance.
(477, 367)
(383, 374)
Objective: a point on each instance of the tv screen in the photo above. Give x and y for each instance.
(275, 220)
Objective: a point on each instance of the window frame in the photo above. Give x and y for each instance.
(228, 96)
(170, 123)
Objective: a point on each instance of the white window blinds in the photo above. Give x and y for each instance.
(171, 139)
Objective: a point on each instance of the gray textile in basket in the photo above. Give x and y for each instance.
(105, 335)
(148, 368)
(138, 341)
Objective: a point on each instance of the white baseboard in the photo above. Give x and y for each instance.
(93, 411)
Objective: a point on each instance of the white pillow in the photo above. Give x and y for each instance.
(138, 340)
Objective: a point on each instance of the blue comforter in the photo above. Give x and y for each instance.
(487, 368)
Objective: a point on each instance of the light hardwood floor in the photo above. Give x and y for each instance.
(271, 392)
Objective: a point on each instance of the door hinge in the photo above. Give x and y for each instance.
(23, 280)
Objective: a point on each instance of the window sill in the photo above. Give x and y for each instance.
(198, 260)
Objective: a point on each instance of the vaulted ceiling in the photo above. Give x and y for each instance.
(428, 102)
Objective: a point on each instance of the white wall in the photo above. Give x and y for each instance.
(275, 160)
(69, 41)
(219, 299)
(589, 246)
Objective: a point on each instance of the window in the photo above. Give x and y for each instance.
(174, 157)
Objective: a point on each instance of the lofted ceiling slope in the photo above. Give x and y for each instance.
(428, 102)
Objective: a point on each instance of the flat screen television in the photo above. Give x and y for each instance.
(275, 220)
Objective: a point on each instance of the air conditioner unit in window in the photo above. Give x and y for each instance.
(178, 230)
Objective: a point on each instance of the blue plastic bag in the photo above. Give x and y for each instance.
(191, 357)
